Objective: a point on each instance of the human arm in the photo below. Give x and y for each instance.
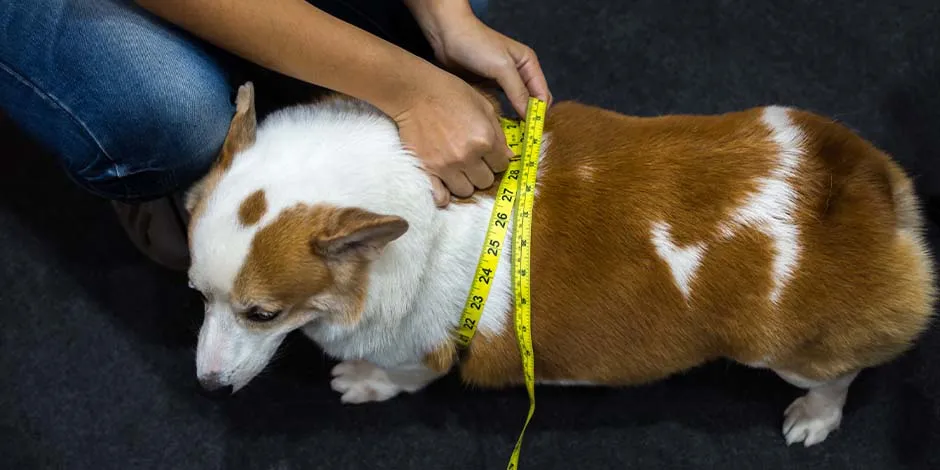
(296, 39)
(447, 124)
(461, 40)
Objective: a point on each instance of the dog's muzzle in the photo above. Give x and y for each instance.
(213, 387)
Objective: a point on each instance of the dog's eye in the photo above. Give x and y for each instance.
(258, 315)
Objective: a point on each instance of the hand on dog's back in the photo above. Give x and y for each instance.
(455, 132)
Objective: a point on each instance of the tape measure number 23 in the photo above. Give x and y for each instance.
(516, 195)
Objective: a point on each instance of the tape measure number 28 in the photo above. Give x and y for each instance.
(516, 195)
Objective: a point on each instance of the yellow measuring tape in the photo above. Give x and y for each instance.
(516, 194)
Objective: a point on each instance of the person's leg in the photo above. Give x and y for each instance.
(134, 109)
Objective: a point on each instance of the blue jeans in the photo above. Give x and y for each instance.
(135, 108)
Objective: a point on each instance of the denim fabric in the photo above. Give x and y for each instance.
(135, 108)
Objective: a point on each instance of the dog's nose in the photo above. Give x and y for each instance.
(212, 387)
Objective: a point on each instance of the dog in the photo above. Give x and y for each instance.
(771, 236)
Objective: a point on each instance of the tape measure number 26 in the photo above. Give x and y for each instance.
(516, 195)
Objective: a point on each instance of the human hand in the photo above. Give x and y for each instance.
(455, 132)
(461, 41)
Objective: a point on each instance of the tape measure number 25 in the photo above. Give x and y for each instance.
(516, 195)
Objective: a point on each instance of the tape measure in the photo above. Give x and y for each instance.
(516, 196)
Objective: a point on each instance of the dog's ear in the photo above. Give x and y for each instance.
(241, 134)
(357, 232)
(194, 194)
(241, 131)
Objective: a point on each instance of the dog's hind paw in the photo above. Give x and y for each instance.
(362, 382)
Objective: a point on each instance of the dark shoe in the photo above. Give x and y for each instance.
(158, 229)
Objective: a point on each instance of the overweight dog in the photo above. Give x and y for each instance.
(770, 236)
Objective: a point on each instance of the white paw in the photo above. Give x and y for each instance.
(810, 420)
(362, 382)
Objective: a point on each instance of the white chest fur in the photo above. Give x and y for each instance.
(399, 329)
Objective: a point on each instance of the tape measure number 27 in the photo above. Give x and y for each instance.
(516, 195)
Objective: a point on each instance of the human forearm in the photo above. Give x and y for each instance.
(298, 40)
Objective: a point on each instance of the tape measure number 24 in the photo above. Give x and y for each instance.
(516, 195)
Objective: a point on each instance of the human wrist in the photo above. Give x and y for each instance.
(435, 17)
(413, 80)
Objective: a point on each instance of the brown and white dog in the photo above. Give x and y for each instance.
(771, 236)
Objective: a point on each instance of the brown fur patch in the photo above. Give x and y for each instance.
(442, 358)
(295, 263)
(606, 307)
(252, 208)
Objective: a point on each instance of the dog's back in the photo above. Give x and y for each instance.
(770, 236)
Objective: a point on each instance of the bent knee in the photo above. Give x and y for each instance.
(160, 141)
(146, 120)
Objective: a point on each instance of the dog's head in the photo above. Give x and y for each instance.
(267, 265)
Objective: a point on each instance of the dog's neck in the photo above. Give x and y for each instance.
(418, 289)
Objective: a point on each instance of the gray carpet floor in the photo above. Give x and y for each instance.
(96, 344)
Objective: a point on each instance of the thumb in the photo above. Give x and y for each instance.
(511, 83)
(440, 191)
(529, 69)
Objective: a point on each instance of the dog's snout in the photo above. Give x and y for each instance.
(213, 387)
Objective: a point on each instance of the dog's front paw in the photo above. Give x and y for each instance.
(810, 421)
(362, 382)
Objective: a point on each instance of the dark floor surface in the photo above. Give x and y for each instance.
(96, 343)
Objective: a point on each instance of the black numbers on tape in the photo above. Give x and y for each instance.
(485, 277)
(493, 249)
(501, 219)
(507, 195)
(469, 323)
(477, 302)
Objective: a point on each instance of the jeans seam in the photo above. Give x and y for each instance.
(55, 102)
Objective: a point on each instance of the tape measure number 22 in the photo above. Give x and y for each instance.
(516, 195)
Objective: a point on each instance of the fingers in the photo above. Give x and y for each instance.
(530, 72)
(498, 158)
(441, 194)
(458, 183)
(511, 82)
(476, 173)
(479, 174)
